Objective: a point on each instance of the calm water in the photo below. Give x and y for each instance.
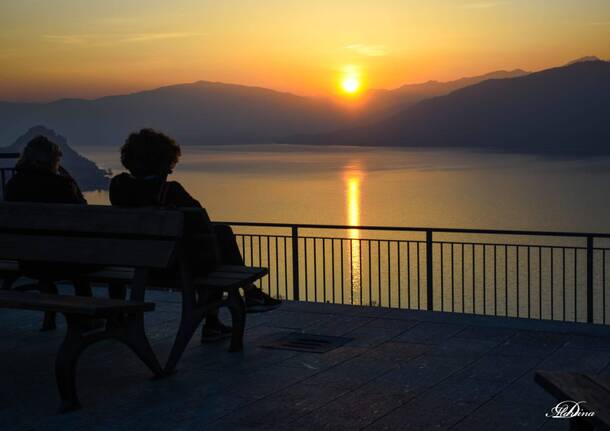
(339, 185)
(361, 186)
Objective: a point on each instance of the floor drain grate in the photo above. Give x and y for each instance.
(311, 343)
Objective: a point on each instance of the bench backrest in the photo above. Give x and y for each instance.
(90, 234)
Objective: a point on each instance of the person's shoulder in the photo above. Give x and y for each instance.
(117, 179)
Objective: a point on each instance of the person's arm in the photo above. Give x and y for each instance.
(72, 193)
(179, 197)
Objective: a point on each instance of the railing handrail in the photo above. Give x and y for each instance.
(423, 229)
(9, 155)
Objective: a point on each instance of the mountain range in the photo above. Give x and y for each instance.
(212, 113)
(563, 110)
(560, 111)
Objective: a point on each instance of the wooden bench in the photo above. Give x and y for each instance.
(593, 390)
(126, 244)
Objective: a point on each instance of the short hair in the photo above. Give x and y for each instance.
(149, 152)
(40, 152)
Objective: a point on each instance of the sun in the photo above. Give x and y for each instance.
(350, 84)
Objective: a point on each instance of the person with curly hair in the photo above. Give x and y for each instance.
(150, 157)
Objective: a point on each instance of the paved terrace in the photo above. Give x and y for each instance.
(403, 370)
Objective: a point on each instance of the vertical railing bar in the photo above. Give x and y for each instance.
(315, 270)
(540, 282)
(306, 258)
(324, 269)
(418, 277)
(474, 281)
(286, 269)
(442, 246)
(429, 271)
(342, 275)
(277, 269)
(505, 280)
(563, 285)
(360, 271)
(463, 289)
(268, 264)
(604, 285)
(495, 283)
(575, 284)
(251, 249)
(590, 279)
(398, 270)
(484, 279)
(295, 263)
(332, 257)
(370, 277)
(408, 274)
(529, 294)
(260, 254)
(518, 281)
(351, 271)
(552, 283)
(379, 272)
(452, 279)
(389, 276)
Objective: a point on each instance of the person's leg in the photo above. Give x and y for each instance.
(256, 299)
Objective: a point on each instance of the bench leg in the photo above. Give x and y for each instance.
(128, 329)
(237, 307)
(46, 286)
(189, 322)
(135, 338)
(65, 364)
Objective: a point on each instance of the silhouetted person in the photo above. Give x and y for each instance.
(150, 157)
(40, 178)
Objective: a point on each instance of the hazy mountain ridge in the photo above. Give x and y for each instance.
(210, 113)
(87, 174)
(563, 110)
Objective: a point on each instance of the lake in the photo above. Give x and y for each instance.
(393, 187)
(537, 277)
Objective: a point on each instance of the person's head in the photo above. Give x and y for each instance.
(40, 153)
(149, 152)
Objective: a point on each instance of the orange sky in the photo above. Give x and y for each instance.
(87, 48)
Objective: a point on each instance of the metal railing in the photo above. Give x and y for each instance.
(527, 274)
(6, 171)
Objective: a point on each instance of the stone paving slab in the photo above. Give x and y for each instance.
(404, 369)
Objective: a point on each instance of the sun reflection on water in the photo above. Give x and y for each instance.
(353, 180)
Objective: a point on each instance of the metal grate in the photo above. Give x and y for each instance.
(311, 343)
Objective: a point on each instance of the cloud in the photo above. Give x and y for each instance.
(113, 39)
(368, 50)
(482, 4)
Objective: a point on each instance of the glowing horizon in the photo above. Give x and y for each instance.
(70, 48)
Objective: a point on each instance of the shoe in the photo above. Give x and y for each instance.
(258, 301)
(215, 331)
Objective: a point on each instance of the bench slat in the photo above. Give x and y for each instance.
(115, 252)
(86, 306)
(97, 219)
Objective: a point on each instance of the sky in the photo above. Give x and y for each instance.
(51, 49)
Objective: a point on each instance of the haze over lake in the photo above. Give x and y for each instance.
(386, 186)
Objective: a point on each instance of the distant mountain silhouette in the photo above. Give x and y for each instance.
(88, 175)
(583, 59)
(382, 103)
(212, 113)
(564, 110)
(198, 113)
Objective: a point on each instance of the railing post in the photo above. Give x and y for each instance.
(295, 263)
(429, 271)
(590, 279)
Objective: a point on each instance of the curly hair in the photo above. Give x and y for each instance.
(149, 152)
(41, 153)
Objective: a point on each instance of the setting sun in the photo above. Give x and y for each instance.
(350, 84)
